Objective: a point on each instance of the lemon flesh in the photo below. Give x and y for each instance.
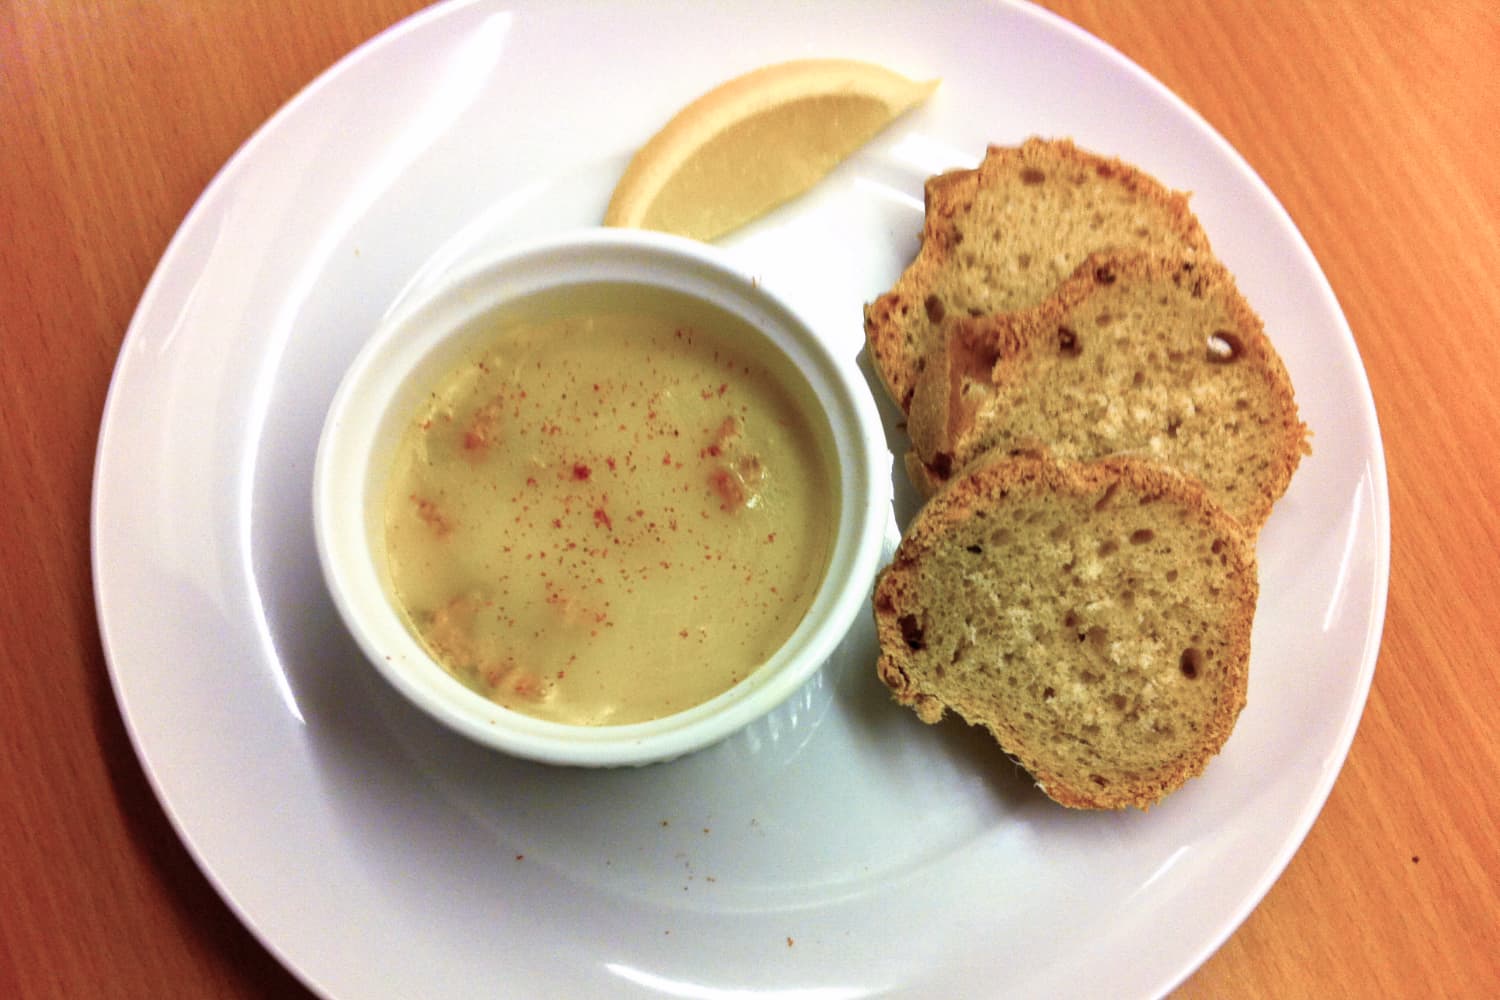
(756, 142)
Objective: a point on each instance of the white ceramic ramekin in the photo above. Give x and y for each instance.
(404, 359)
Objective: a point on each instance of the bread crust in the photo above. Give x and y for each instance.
(931, 669)
(901, 324)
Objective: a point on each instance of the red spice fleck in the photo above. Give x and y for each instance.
(428, 511)
(771, 537)
(723, 388)
(666, 458)
(601, 516)
(483, 428)
(557, 522)
(730, 490)
(581, 471)
(684, 634)
(526, 686)
(611, 463)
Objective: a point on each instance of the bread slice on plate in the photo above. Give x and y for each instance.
(1002, 236)
(1157, 357)
(1094, 617)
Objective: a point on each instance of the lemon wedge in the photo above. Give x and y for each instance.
(756, 142)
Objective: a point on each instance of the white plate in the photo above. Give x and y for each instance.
(839, 849)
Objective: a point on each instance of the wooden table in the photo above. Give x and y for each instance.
(1378, 126)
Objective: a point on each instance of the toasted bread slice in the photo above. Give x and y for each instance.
(1158, 357)
(1001, 237)
(1094, 617)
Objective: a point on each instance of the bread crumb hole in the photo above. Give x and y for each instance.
(1067, 342)
(911, 633)
(1224, 347)
(1141, 536)
(1191, 662)
(1032, 176)
(935, 310)
(1109, 547)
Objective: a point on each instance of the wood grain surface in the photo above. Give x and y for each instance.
(1376, 124)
